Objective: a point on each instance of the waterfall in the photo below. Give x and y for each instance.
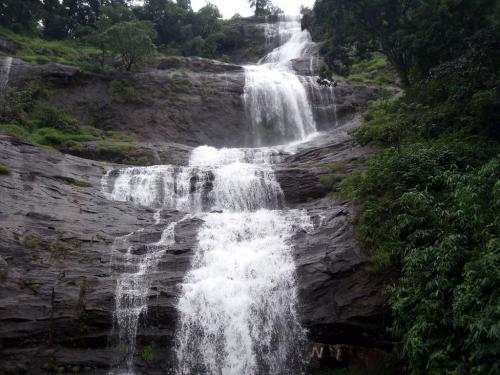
(276, 100)
(238, 303)
(5, 72)
(132, 290)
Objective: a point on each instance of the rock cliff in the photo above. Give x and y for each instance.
(57, 228)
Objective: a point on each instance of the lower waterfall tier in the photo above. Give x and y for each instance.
(238, 310)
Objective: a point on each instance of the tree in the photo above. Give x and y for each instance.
(132, 40)
(207, 19)
(81, 13)
(21, 16)
(415, 35)
(261, 7)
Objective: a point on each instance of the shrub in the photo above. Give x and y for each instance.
(122, 92)
(16, 131)
(147, 354)
(429, 207)
(46, 116)
(16, 104)
(4, 170)
(56, 138)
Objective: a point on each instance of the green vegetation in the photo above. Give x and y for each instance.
(72, 182)
(131, 40)
(429, 202)
(4, 170)
(263, 8)
(70, 52)
(414, 36)
(31, 241)
(98, 35)
(374, 70)
(35, 287)
(25, 116)
(147, 354)
(123, 92)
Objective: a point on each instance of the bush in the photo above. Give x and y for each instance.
(147, 354)
(40, 51)
(429, 207)
(18, 132)
(4, 170)
(122, 92)
(15, 105)
(56, 138)
(46, 116)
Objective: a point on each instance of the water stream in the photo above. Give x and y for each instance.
(5, 72)
(238, 304)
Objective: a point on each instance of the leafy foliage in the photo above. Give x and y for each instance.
(414, 35)
(131, 40)
(430, 207)
(4, 170)
(264, 8)
(86, 32)
(429, 201)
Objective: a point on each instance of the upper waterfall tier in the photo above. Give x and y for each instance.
(275, 98)
(293, 42)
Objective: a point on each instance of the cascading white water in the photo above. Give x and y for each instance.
(132, 290)
(276, 101)
(223, 179)
(5, 72)
(238, 303)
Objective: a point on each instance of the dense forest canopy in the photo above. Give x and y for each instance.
(430, 201)
(178, 29)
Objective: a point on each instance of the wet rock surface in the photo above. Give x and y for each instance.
(58, 280)
(57, 228)
(182, 101)
(342, 301)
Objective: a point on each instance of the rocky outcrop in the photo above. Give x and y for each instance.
(8, 46)
(183, 101)
(58, 281)
(342, 301)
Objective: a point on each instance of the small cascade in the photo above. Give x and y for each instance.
(277, 106)
(325, 103)
(132, 290)
(5, 72)
(227, 179)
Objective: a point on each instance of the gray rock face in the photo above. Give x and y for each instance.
(183, 101)
(58, 284)
(342, 302)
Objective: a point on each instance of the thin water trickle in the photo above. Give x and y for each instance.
(5, 72)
